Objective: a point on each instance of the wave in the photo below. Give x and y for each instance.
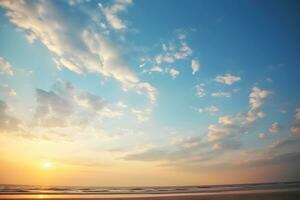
(25, 189)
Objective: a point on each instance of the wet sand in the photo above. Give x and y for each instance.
(291, 195)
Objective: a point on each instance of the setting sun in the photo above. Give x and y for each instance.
(46, 165)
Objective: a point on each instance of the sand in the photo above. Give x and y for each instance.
(295, 195)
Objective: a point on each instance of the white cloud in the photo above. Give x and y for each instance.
(174, 73)
(5, 66)
(200, 92)
(74, 43)
(121, 104)
(200, 110)
(156, 69)
(141, 115)
(227, 79)
(112, 13)
(173, 51)
(296, 126)
(210, 109)
(256, 100)
(183, 52)
(275, 127)
(7, 90)
(261, 136)
(230, 126)
(195, 66)
(220, 94)
(217, 132)
(228, 120)
(257, 97)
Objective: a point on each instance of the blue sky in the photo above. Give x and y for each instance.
(181, 85)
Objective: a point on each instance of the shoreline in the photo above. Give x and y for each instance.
(242, 195)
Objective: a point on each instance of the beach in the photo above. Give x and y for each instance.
(284, 195)
(257, 191)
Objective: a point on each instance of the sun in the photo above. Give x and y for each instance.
(46, 165)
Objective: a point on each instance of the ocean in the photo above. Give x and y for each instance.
(161, 190)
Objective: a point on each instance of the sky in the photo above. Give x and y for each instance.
(153, 92)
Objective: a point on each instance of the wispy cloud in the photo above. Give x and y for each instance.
(75, 46)
(5, 67)
(296, 126)
(227, 79)
(8, 123)
(112, 13)
(220, 94)
(171, 53)
(210, 109)
(200, 91)
(4, 88)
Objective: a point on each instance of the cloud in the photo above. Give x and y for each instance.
(275, 127)
(8, 123)
(200, 92)
(65, 112)
(257, 97)
(5, 67)
(227, 145)
(64, 106)
(186, 142)
(256, 100)
(141, 115)
(268, 159)
(279, 144)
(148, 155)
(261, 135)
(195, 66)
(189, 151)
(7, 90)
(53, 107)
(185, 149)
(91, 101)
(220, 94)
(183, 52)
(75, 45)
(171, 53)
(174, 73)
(227, 79)
(112, 13)
(210, 109)
(231, 126)
(296, 126)
(156, 69)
